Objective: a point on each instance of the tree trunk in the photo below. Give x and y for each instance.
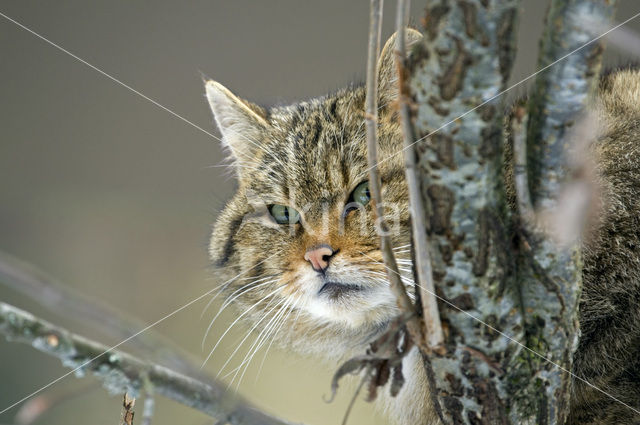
(508, 304)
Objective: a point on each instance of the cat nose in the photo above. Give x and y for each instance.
(319, 257)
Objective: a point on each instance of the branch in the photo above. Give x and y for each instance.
(561, 91)
(550, 274)
(430, 314)
(59, 299)
(371, 125)
(120, 372)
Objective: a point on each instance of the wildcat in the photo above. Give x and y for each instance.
(300, 230)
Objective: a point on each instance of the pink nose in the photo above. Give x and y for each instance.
(319, 257)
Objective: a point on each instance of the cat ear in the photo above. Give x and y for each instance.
(387, 71)
(241, 123)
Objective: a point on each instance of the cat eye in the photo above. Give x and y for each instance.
(283, 214)
(361, 194)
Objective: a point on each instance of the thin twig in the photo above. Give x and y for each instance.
(149, 401)
(120, 371)
(431, 316)
(521, 181)
(126, 418)
(371, 123)
(148, 408)
(363, 380)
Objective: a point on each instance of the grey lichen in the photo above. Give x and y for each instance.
(509, 299)
(551, 274)
(463, 63)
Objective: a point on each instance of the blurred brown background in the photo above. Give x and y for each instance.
(115, 197)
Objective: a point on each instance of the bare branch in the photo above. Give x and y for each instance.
(562, 91)
(550, 274)
(431, 316)
(59, 299)
(578, 200)
(371, 124)
(120, 371)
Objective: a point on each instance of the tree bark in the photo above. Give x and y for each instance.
(508, 307)
(551, 275)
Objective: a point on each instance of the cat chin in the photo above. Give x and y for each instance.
(355, 310)
(343, 297)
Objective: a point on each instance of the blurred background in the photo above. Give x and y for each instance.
(115, 197)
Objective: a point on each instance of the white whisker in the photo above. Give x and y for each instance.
(273, 339)
(282, 305)
(222, 287)
(237, 319)
(229, 301)
(232, 166)
(396, 248)
(238, 292)
(255, 325)
(271, 333)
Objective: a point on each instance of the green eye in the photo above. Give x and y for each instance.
(361, 193)
(284, 215)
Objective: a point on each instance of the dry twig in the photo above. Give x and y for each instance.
(126, 417)
(521, 181)
(371, 123)
(422, 257)
(381, 364)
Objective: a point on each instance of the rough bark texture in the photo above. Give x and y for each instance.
(561, 91)
(121, 372)
(465, 60)
(550, 276)
(514, 367)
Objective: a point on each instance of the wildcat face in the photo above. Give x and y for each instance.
(319, 276)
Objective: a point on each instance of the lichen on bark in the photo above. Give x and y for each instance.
(508, 305)
(463, 62)
(551, 274)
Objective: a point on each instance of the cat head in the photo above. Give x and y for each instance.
(298, 241)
